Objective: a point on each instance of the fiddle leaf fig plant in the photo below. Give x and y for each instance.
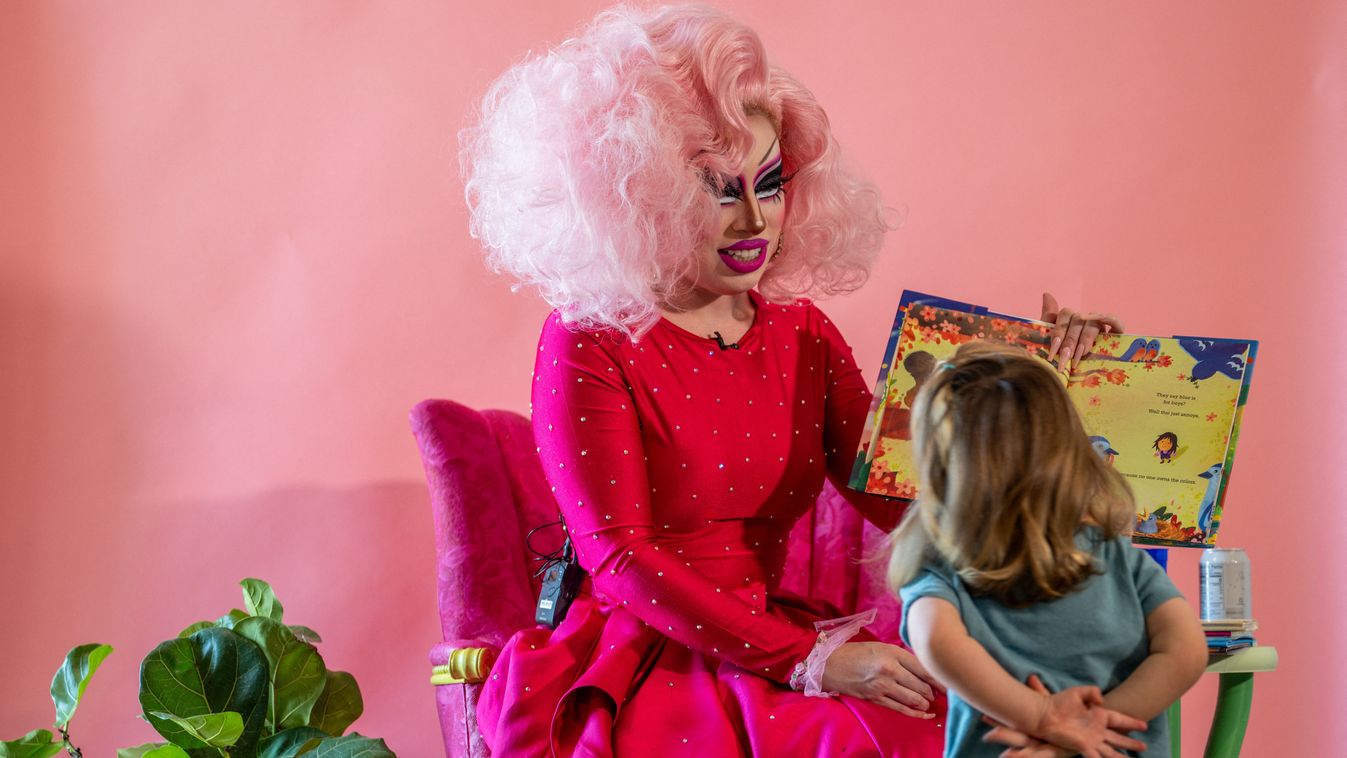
(36, 744)
(245, 685)
(67, 687)
(152, 750)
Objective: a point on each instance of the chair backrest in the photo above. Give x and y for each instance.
(482, 578)
(488, 491)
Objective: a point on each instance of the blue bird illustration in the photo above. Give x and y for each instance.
(1208, 508)
(1215, 356)
(1105, 450)
(1147, 525)
(1135, 351)
(1141, 350)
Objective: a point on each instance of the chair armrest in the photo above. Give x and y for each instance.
(465, 665)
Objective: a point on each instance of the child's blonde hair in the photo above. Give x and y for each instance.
(1007, 478)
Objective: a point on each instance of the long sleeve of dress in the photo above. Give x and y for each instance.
(847, 404)
(590, 445)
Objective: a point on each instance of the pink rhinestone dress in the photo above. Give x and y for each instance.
(680, 469)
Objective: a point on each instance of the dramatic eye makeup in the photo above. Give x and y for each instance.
(729, 191)
(770, 184)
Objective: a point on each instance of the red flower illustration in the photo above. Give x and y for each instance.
(1094, 400)
(1211, 416)
(928, 313)
(1182, 377)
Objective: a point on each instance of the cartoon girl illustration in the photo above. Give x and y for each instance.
(1166, 445)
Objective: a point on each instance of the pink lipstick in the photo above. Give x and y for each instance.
(745, 256)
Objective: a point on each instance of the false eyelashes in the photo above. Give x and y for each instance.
(770, 185)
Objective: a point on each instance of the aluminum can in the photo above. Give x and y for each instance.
(1225, 586)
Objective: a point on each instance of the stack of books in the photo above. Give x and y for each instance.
(1225, 637)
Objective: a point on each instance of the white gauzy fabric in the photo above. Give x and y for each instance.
(832, 634)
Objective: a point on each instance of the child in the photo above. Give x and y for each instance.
(1014, 563)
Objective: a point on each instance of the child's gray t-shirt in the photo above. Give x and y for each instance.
(1095, 635)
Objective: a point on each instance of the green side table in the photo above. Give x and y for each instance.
(1234, 699)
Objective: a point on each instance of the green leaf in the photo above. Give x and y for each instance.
(36, 744)
(213, 671)
(259, 600)
(339, 704)
(287, 743)
(271, 636)
(296, 670)
(350, 746)
(153, 750)
(300, 680)
(67, 687)
(214, 729)
(305, 634)
(194, 628)
(228, 620)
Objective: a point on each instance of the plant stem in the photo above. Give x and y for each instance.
(69, 748)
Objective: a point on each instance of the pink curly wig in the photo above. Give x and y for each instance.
(585, 175)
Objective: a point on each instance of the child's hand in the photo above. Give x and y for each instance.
(1076, 718)
(1029, 747)
(1021, 745)
(883, 674)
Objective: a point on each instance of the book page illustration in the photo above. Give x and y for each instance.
(1163, 411)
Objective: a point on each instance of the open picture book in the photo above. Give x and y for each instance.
(1163, 411)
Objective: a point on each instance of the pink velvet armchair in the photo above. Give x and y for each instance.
(487, 491)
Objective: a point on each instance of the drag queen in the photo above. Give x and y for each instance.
(674, 197)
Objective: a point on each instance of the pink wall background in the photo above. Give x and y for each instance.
(235, 253)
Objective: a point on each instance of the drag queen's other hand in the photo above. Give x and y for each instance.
(884, 674)
(1074, 332)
